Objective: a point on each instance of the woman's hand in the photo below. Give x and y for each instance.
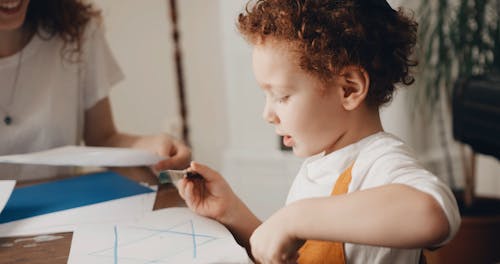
(274, 242)
(177, 154)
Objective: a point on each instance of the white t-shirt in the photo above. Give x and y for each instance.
(378, 160)
(51, 97)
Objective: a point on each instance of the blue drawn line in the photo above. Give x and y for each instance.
(173, 232)
(159, 231)
(194, 238)
(116, 246)
(156, 232)
(169, 230)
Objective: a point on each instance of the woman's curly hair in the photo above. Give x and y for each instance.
(63, 18)
(332, 34)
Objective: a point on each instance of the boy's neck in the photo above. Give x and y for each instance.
(361, 123)
(366, 124)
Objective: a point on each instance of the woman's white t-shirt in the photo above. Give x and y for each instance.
(51, 97)
(379, 159)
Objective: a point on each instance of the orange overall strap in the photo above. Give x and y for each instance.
(315, 251)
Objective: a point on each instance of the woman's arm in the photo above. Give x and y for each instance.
(100, 130)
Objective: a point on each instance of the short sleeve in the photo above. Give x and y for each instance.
(431, 185)
(404, 169)
(99, 69)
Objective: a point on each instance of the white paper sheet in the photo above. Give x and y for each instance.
(6, 188)
(86, 156)
(124, 209)
(172, 235)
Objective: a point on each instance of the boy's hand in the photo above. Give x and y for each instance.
(211, 197)
(273, 241)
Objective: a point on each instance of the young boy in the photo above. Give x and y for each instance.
(326, 67)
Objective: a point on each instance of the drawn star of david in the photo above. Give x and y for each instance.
(144, 245)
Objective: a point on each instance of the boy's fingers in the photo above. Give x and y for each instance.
(181, 187)
(188, 193)
(207, 173)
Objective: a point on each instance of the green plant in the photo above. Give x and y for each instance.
(458, 38)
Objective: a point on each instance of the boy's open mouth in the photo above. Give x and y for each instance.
(287, 141)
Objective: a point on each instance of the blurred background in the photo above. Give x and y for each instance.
(224, 103)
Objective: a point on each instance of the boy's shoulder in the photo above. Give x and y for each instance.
(382, 142)
(384, 147)
(387, 159)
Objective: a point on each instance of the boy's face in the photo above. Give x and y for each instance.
(307, 113)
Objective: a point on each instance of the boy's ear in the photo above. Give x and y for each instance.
(354, 84)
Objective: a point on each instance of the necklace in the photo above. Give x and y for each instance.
(8, 118)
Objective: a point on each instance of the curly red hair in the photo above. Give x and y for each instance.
(63, 18)
(332, 34)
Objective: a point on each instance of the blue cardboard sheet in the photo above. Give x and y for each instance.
(68, 193)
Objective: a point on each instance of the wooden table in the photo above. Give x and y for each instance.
(16, 250)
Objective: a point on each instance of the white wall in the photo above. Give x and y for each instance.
(203, 59)
(139, 35)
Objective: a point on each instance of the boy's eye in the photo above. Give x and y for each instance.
(283, 99)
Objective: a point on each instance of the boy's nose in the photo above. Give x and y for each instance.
(269, 115)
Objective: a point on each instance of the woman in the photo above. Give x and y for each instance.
(56, 71)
